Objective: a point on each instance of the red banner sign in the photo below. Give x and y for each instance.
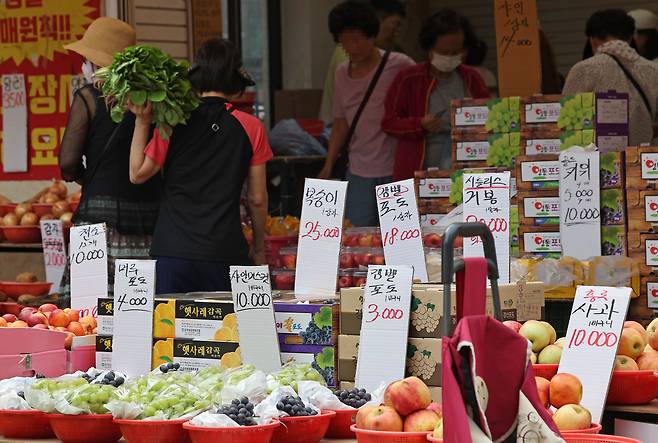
(32, 38)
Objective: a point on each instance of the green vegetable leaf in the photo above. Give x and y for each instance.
(157, 96)
(138, 97)
(116, 114)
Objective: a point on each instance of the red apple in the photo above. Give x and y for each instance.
(362, 414)
(432, 240)
(17, 324)
(648, 360)
(61, 329)
(624, 363)
(346, 260)
(290, 261)
(365, 240)
(9, 318)
(3, 323)
(284, 281)
(68, 341)
(635, 325)
(572, 417)
(25, 313)
(565, 389)
(437, 408)
(76, 328)
(88, 323)
(513, 325)
(631, 343)
(37, 318)
(48, 307)
(377, 241)
(378, 260)
(72, 314)
(423, 420)
(40, 326)
(543, 388)
(346, 281)
(407, 395)
(652, 334)
(363, 259)
(58, 318)
(359, 282)
(380, 418)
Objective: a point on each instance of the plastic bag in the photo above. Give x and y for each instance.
(212, 420)
(254, 387)
(288, 138)
(15, 384)
(322, 398)
(211, 380)
(12, 401)
(290, 374)
(41, 394)
(266, 410)
(86, 399)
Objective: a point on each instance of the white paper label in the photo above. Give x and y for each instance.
(541, 207)
(649, 165)
(540, 171)
(607, 143)
(472, 151)
(612, 111)
(652, 295)
(54, 251)
(88, 255)
(580, 203)
(400, 227)
(14, 123)
(542, 112)
(471, 116)
(434, 187)
(651, 208)
(595, 325)
(651, 253)
(134, 291)
(543, 146)
(541, 242)
(486, 200)
(252, 301)
(384, 326)
(320, 234)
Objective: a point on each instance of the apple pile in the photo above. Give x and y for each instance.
(48, 316)
(638, 348)
(546, 348)
(407, 407)
(564, 392)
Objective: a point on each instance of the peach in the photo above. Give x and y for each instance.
(565, 389)
(625, 363)
(423, 420)
(73, 314)
(47, 307)
(572, 417)
(88, 322)
(76, 328)
(381, 418)
(9, 318)
(58, 318)
(407, 395)
(18, 324)
(543, 388)
(635, 325)
(631, 343)
(652, 334)
(3, 322)
(37, 318)
(437, 408)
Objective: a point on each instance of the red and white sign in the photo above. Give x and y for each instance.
(543, 146)
(541, 207)
(542, 242)
(472, 151)
(652, 295)
(649, 163)
(651, 208)
(547, 170)
(542, 112)
(471, 116)
(597, 319)
(487, 200)
(384, 326)
(88, 255)
(434, 187)
(320, 233)
(400, 227)
(651, 253)
(54, 251)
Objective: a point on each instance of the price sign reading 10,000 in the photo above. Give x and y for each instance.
(252, 300)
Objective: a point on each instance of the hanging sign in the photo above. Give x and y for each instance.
(580, 214)
(400, 227)
(595, 326)
(54, 251)
(252, 302)
(88, 256)
(487, 200)
(384, 326)
(320, 234)
(134, 291)
(14, 123)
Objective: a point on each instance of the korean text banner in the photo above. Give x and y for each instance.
(32, 38)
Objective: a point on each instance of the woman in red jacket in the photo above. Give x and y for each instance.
(418, 102)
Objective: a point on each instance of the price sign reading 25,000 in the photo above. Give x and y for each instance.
(315, 232)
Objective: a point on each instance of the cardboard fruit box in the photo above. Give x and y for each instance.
(543, 142)
(433, 184)
(544, 241)
(563, 112)
(195, 354)
(642, 167)
(485, 150)
(495, 115)
(306, 323)
(539, 208)
(323, 358)
(643, 247)
(642, 210)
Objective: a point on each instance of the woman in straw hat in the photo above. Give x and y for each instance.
(95, 153)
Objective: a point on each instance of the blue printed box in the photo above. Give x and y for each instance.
(306, 323)
(322, 358)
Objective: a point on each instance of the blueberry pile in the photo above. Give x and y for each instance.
(109, 379)
(316, 336)
(169, 367)
(353, 397)
(241, 411)
(295, 407)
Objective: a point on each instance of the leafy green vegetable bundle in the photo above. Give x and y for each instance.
(141, 73)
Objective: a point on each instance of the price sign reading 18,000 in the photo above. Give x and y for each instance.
(320, 235)
(88, 255)
(252, 301)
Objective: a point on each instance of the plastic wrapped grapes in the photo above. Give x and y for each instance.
(41, 395)
(240, 410)
(85, 399)
(244, 381)
(291, 373)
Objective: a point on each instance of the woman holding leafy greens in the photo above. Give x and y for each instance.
(204, 164)
(95, 153)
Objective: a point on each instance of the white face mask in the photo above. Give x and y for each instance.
(446, 63)
(88, 71)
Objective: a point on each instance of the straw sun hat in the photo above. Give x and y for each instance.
(105, 37)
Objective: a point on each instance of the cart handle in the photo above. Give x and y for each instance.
(449, 266)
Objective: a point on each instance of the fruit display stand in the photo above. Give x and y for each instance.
(647, 413)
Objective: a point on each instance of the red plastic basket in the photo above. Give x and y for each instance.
(366, 436)
(6, 209)
(546, 371)
(340, 425)
(22, 234)
(309, 429)
(25, 424)
(597, 438)
(632, 387)
(242, 434)
(594, 429)
(42, 209)
(84, 428)
(434, 440)
(15, 290)
(153, 431)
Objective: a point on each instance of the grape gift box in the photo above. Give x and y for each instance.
(314, 323)
(323, 359)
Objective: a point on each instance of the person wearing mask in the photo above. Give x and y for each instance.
(205, 163)
(418, 103)
(95, 153)
(370, 151)
(615, 65)
(391, 13)
(646, 33)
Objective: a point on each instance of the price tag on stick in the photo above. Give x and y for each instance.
(134, 291)
(88, 255)
(400, 227)
(252, 301)
(320, 235)
(54, 251)
(14, 123)
(595, 326)
(486, 200)
(580, 203)
(384, 326)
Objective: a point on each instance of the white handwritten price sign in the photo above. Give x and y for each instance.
(54, 251)
(14, 123)
(384, 326)
(88, 256)
(252, 301)
(595, 325)
(486, 200)
(134, 290)
(400, 227)
(320, 233)
(580, 214)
